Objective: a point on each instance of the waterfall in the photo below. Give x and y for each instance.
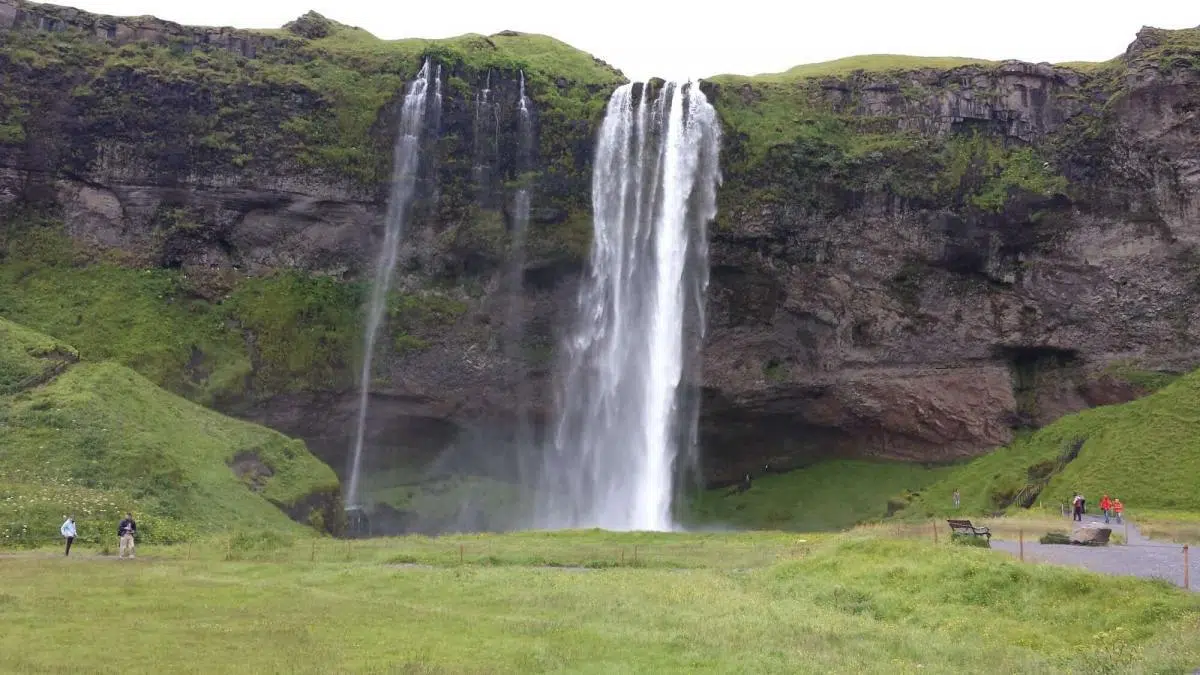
(486, 129)
(405, 165)
(625, 425)
(515, 278)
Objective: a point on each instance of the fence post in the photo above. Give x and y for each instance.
(935, 532)
(1021, 534)
(313, 558)
(460, 554)
(1187, 570)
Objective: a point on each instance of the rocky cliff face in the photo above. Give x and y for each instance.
(910, 262)
(901, 303)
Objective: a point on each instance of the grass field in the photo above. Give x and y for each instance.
(830, 495)
(745, 603)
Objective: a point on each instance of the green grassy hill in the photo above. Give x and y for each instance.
(831, 495)
(99, 439)
(1146, 452)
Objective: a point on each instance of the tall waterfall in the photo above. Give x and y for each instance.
(405, 165)
(624, 423)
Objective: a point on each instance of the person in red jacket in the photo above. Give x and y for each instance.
(1118, 509)
(1106, 506)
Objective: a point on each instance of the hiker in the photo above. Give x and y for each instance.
(125, 533)
(1118, 508)
(68, 532)
(957, 499)
(1077, 507)
(1105, 506)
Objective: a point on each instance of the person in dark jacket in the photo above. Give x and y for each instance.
(125, 534)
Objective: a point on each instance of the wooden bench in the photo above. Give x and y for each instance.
(965, 527)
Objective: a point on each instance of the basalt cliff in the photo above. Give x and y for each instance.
(913, 258)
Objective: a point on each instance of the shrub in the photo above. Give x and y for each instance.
(970, 540)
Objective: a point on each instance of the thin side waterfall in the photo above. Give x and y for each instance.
(515, 321)
(405, 165)
(625, 422)
(486, 134)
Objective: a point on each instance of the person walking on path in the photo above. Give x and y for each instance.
(1105, 507)
(957, 498)
(1077, 508)
(1118, 508)
(68, 532)
(125, 533)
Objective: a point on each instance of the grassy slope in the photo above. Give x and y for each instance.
(1146, 452)
(830, 495)
(26, 357)
(100, 439)
(849, 604)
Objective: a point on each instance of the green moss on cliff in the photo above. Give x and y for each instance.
(982, 172)
(144, 318)
(1169, 49)
(266, 335)
(321, 95)
(302, 331)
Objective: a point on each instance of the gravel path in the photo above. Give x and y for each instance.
(1139, 557)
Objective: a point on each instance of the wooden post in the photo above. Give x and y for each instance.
(460, 554)
(1187, 571)
(1021, 534)
(935, 532)
(313, 558)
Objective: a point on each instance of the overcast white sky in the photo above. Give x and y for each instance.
(682, 39)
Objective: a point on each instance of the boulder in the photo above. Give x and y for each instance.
(1091, 536)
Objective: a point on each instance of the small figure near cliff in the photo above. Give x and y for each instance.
(1106, 507)
(1077, 507)
(742, 486)
(1118, 508)
(68, 532)
(125, 533)
(957, 498)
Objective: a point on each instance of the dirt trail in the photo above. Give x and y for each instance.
(1140, 556)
